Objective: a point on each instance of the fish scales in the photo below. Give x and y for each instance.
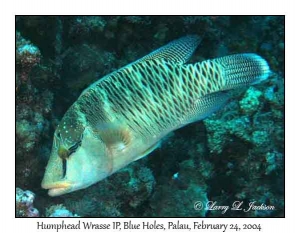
(123, 116)
(168, 93)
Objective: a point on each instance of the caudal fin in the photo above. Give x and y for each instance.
(243, 70)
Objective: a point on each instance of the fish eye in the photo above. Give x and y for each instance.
(73, 148)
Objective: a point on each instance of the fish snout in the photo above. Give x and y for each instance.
(57, 188)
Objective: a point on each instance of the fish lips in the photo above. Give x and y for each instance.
(57, 188)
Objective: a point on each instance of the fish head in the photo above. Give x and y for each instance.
(78, 158)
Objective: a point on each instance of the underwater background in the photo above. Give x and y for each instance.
(236, 154)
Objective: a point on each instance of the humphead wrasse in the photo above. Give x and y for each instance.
(124, 116)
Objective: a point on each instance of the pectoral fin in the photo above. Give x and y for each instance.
(114, 136)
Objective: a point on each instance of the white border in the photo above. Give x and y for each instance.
(208, 7)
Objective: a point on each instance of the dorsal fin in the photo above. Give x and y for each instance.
(178, 51)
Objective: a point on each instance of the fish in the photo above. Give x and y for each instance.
(125, 115)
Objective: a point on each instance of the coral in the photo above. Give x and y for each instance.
(182, 177)
(171, 202)
(59, 211)
(220, 132)
(260, 138)
(250, 143)
(251, 123)
(120, 195)
(32, 126)
(250, 103)
(85, 27)
(27, 56)
(33, 112)
(274, 161)
(24, 204)
(182, 192)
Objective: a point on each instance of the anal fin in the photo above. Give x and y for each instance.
(148, 151)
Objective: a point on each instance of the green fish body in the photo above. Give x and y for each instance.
(123, 116)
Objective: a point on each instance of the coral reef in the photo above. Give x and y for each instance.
(24, 204)
(56, 211)
(122, 194)
(27, 56)
(255, 119)
(251, 140)
(237, 154)
(250, 103)
(33, 113)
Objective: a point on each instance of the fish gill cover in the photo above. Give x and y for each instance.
(235, 154)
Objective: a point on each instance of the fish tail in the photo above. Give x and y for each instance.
(243, 70)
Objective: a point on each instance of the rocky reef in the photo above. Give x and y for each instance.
(24, 204)
(237, 154)
(248, 137)
(57, 211)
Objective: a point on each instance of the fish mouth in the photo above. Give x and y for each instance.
(57, 188)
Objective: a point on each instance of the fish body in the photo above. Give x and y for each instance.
(124, 116)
